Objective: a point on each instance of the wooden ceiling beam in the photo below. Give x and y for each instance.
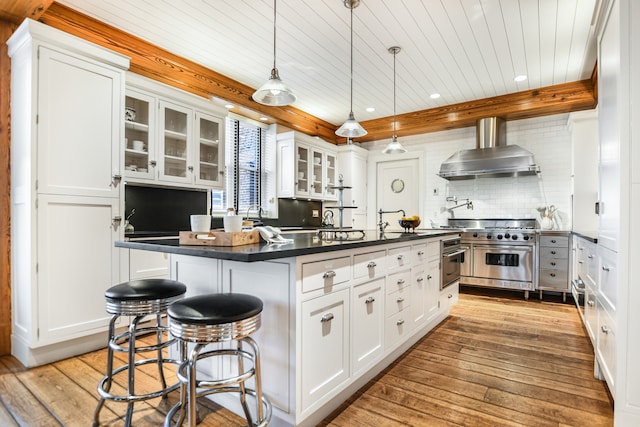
(16, 11)
(161, 65)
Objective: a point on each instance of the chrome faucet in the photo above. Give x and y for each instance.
(258, 209)
(468, 203)
(383, 225)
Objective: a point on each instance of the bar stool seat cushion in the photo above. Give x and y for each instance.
(145, 290)
(215, 309)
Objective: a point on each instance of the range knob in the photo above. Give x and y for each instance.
(507, 235)
(499, 236)
(489, 236)
(475, 234)
(514, 237)
(525, 237)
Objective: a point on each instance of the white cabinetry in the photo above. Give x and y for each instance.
(583, 126)
(367, 324)
(352, 165)
(147, 265)
(172, 138)
(67, 103)
(307, 167)
(425, 282)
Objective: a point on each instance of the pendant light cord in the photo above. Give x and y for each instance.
(351, 102)
(394, 94)
(274, 33)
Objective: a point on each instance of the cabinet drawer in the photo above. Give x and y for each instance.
(397, 301)
(556, 279)
(419, 254)
(370, 264)
(325, 273)
(608, 275)
(554, 264)
(399, 258)
(554, 241)
(398, 281)
(546, 252)
(606, 345)
(395, 327)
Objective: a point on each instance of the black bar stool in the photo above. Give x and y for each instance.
(218, 318)
(140, 299)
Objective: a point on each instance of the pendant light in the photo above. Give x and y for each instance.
(394, 147)
(351, 128)
(274, 93)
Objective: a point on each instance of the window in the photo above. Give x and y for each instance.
(249, 169)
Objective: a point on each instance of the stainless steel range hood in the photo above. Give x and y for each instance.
(492, 157)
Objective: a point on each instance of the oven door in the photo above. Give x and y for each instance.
(451, 262)
(503, 262)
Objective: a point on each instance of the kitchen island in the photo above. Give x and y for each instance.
(336, 313)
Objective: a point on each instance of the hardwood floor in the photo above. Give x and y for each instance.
(496, 361)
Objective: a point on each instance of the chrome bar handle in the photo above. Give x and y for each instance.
(329, 274)
(327, 318)
(371, 264)
(369, 300)
(400, 322)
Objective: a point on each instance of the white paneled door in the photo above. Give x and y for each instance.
(398, 187)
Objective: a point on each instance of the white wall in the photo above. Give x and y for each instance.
(548, 138)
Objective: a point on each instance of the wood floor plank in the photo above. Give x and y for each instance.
(22, 405)
(6, 420)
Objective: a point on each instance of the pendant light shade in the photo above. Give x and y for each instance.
(274, 93)
(351, 128)
(394, 147)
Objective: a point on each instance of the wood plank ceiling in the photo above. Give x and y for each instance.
(468, 51)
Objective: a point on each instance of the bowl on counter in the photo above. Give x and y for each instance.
(409, 225)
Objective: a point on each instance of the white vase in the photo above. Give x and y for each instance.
(547, 223)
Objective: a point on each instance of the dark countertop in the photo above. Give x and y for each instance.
(303, 244)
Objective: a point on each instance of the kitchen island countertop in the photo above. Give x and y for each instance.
(302, 244)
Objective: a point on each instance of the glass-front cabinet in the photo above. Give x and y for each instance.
(307, 167)
(175, 125)
(210, 155)
(139, 156)
(172, 140)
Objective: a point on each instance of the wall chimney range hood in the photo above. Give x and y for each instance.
(492, 157)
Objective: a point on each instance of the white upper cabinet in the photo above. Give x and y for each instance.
(172, 138)
(306, 167)
(78, 139)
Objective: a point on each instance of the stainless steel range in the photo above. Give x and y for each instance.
(499, 253)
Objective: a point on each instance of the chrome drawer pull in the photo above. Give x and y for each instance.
(605, 329)
(420, 253)
(591, 303)
(399, 322)
(329, 274)
(552, 263)
(605, 268)
(327, 317)
(420, 279)
(580, 262)
(553, 240)
(552, 274)
(369, 300)
(400, 281)
(449, 296)
(590, 256)
(400, 257)
(400, 299)
(371, 264)
(553, 252)
(429, 276)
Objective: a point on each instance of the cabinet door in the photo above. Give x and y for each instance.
(139, 136)
(316, 190)
(324, 340)
(209, 161)
(303, 170)
(77, 261)
(174, 143)
(79, 130)
(329, 177)
(147, 264)
(367, 323)
(425, 292)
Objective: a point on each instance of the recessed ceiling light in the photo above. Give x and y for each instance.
(370, 109)
(229, 106)
(434, 96)
(264, 119)
(520, 78)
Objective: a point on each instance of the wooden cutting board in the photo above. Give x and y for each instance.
(219, 238)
